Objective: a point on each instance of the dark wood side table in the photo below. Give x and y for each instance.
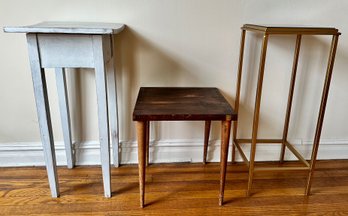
(298, 32)
(181, 104)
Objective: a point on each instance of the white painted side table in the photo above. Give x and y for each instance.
(63, 45)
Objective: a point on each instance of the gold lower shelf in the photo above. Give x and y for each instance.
(306, 166)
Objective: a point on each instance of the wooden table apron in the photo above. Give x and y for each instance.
(74, 45)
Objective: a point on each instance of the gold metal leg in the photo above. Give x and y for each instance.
(322, 111)
(225, 128)
(233, 152)
(236, 105)
(257, 112)
(290, 97)
(206, 140)
(141, 132)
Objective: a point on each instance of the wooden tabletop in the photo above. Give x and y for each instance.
(179, 103)
(68, 28)
(291, 29)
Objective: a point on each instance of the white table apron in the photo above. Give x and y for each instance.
(74, 45)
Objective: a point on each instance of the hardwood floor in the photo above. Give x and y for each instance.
(175, 189)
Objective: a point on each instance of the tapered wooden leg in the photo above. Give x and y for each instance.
(320, 120)
(103, 118)
(226, 128)
(65, 115)
(141, 133)
(147, 142)
(206, 140)
(43, 112)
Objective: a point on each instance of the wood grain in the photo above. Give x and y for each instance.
(181, 104)
(142, 137)
(225, 140)
(176, 189)
(176, 104)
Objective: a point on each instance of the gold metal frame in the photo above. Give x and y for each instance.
(306, 165)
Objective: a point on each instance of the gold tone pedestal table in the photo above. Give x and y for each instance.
(298, 32)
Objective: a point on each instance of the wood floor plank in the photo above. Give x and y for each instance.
(175, 189)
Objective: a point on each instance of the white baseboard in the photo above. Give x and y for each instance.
(164, 151)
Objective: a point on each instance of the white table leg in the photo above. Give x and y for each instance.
(101, 84)
(64, 115)
(43, 111)
(113, 111)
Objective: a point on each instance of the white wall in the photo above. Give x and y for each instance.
(181, 43)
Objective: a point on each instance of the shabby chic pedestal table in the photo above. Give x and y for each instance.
(63, 45)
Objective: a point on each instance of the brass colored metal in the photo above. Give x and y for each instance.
(240, 150)
(236, 103)
(298, 30)
(270, 141)
(322, 110)
(233, 152)
(290, 97)
(257, 111)
(296, 153)
(279, 30)
(265, 141)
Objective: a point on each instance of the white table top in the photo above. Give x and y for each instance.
(68, 28)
